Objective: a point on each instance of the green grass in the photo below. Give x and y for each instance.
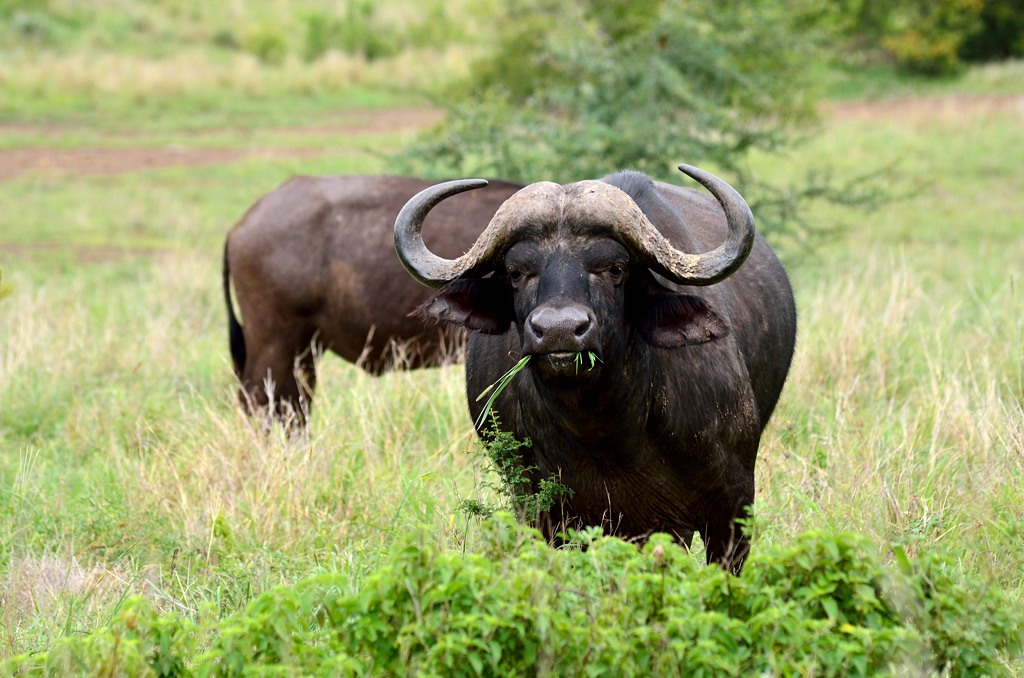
(881, 82)
(128, 470)
(497, 387)
(904, 414)
(164, 65)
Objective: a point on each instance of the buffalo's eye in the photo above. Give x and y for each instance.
(515, 276)
(617, 272)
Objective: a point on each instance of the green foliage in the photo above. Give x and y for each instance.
(573, 91)
(569, 95)
(928, 54)
(33, 28)
(362, 29)
(165, 29)
(10, 7)
(358, 32)
(1000, 34)
(502, 455)
(923, 37)
(267, 42)
(823, 605)
(926, 36)
(141, 643)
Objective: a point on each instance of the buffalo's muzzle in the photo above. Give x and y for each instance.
(565, 329)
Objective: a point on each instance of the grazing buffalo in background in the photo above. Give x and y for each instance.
(660, 432)
(314, 261)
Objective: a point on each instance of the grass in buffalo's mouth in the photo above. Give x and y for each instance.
(593, 360)
(497, 387)
(504, 380)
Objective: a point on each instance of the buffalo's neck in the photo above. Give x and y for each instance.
(605, 416)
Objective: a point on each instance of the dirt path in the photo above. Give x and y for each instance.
(17, 161)
(98, 160)
(944, 108)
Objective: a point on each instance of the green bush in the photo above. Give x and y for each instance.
(31, 27)
(578, 90)
(225, 38)
(11, 7)
(822, 605)
(266, 42)
(1000, 34)
(926, 54)
(501, 458)
(361, 31)
(572, 92)
(926, 37)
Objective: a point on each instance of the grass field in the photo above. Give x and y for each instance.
(125, 467)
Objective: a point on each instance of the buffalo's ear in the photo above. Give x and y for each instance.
(670, 320)
(482, 304)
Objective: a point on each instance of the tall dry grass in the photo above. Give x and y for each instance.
(904, 414)
(900, 420)
(95, 77)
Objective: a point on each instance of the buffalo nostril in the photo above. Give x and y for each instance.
(535, 330)
(583, 327)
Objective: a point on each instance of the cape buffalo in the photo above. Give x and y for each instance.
(313, 261)
(659, 430)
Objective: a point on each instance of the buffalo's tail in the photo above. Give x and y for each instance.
(235, 337)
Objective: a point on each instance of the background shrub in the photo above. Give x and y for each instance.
(924, 37)
(570, 93)
(577, 90)
(927, 37)
(1000, 32)
(266, 42)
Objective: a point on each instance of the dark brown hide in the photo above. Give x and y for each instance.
(313, 265)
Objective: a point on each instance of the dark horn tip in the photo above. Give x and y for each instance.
(469, 184)
(690, 170)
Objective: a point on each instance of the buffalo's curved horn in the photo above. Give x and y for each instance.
(592, 202)
(538, 203)
(657, 253)
(421, 263)
(603, 205)
(719, 263)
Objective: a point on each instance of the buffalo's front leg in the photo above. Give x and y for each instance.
(724, 540)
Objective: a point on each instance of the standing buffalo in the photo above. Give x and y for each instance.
(659, 430)
(313, 264)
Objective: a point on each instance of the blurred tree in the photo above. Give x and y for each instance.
(577, 90)
(1000, 34)
(267, 42)
(930, 37)
(926, 36)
